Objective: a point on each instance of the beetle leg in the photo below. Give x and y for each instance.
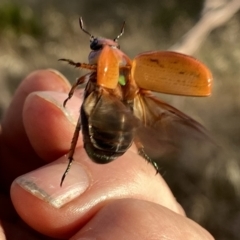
(79, 65)
(142, 153)
(79, 81)
(72, 148)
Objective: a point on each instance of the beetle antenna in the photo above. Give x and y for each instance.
(84, 30)
(121, 33)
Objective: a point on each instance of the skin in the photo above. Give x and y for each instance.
(124, 199)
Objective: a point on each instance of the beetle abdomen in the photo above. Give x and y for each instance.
(108, 126)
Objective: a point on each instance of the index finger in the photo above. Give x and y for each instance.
(17, 154)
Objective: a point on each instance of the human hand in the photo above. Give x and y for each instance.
(124, 199)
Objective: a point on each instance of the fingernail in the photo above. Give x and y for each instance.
(44, 183)
(71, 112)
(61, 76)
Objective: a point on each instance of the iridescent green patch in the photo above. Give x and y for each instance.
(121, 80)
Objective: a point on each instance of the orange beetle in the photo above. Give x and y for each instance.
(119, 108)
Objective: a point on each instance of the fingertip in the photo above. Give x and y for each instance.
(15, 143)
(60, 75)
(47, 207)
(49, 125)
(47, 79)
(139, 219)
(40, 80)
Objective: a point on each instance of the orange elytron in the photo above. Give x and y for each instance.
(119, 108)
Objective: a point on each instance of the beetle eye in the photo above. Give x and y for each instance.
(95, 45)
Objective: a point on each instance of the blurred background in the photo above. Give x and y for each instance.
(34, 34)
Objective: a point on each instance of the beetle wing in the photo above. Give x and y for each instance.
(108, 68)
(172, 73)
(166, 131)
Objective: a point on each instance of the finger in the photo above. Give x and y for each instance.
(87, 188)
(12, 125)
(18, 230)
(136, 219)
(49, 125)
(15, 145)
(2, 234)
